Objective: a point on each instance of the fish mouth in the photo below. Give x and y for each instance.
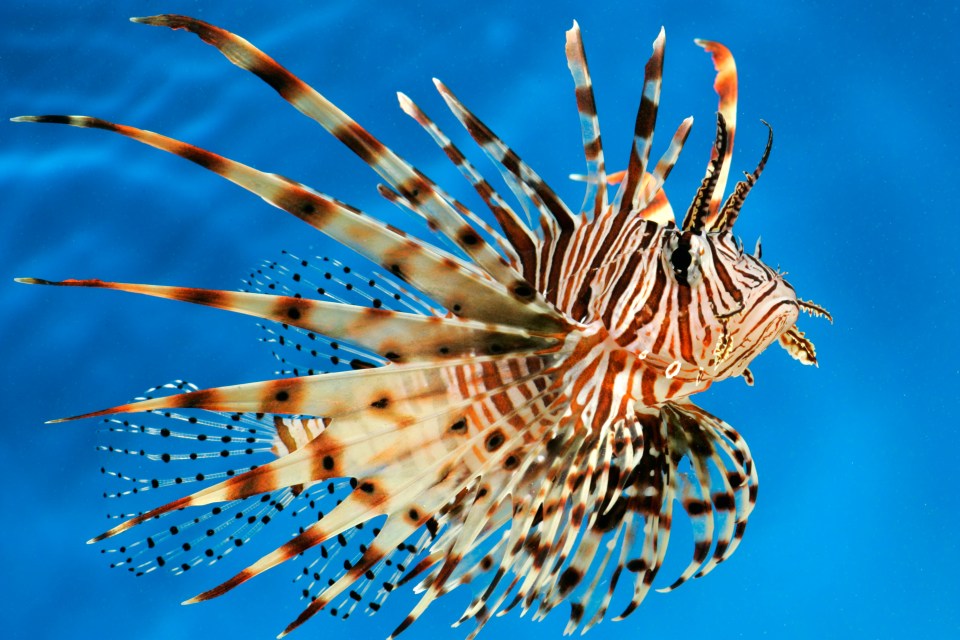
(754, 331)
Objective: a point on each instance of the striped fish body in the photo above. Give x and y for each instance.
(511, 408)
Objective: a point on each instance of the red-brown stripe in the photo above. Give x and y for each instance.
(360, 142)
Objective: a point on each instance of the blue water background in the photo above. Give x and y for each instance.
(855, 534)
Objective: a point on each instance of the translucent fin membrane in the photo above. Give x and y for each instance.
(324, 278)
(168, 449)
(332, 560)
(303, 352)
(161, 450)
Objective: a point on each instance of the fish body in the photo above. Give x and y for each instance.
(510, 406)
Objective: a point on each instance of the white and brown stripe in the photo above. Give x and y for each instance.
(534, 407)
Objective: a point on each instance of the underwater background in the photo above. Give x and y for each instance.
(855, 534)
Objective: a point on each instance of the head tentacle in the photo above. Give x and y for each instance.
(696, 218)
(731, 208)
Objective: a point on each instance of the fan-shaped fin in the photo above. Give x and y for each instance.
(407, 180)
(552, 208)
(419, 479)
(445, 278)
(160, 451)
(521, 239)
(362, 405)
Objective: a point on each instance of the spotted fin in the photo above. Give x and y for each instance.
(300, 352)
(162, 450)
(331, 560)
(400, 471)
(427, 464)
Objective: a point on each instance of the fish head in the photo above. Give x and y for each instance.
(728, 304)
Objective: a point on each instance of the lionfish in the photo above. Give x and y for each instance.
(513, 413)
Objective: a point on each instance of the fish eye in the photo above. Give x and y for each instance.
(683, 263)
(680, 259)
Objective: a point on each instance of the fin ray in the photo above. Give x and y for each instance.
(409, 182)
(400, 337)
(441, 275)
